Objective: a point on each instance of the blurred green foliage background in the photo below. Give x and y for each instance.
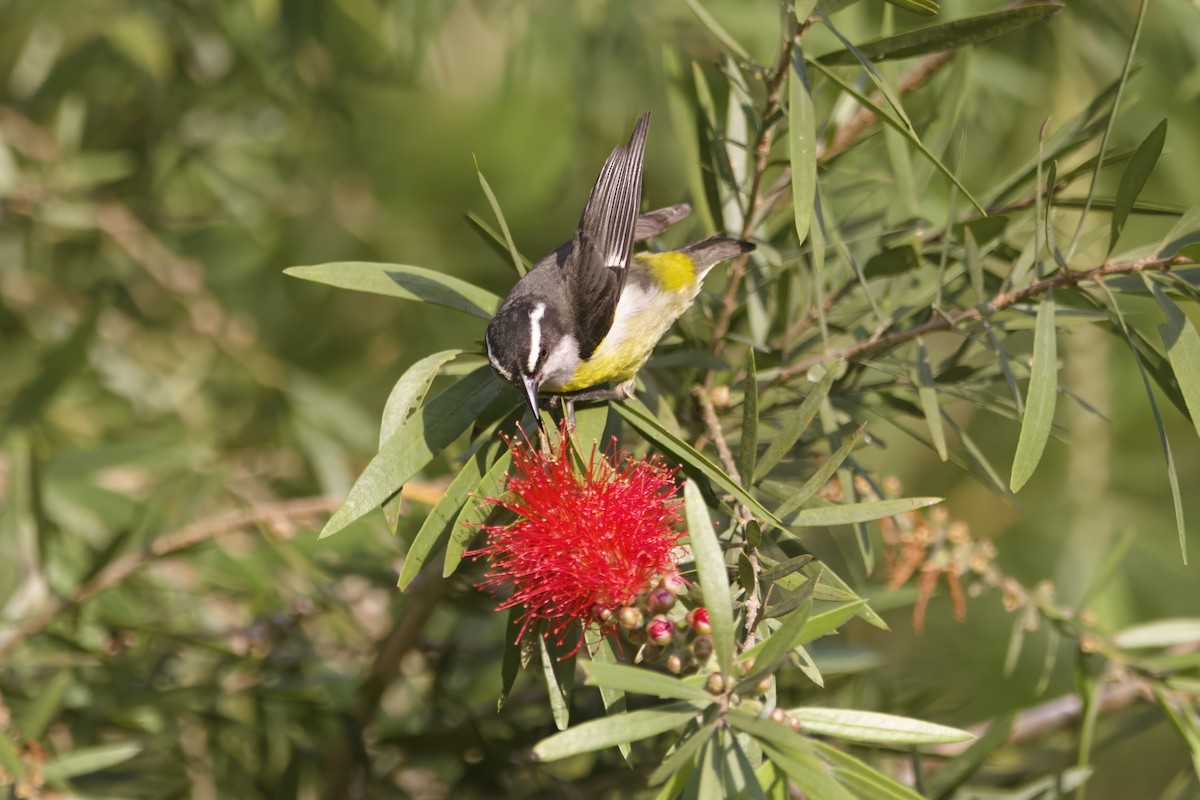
(162, 161)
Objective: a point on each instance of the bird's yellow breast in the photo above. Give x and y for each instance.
(658, 289)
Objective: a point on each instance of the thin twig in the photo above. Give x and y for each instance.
(881, 342)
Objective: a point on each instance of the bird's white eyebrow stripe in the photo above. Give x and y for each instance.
(487, 343)
(535, 334)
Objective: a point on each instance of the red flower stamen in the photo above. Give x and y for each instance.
(583, 541)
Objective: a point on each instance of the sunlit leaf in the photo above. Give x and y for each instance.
(403, 281)
(859, 512)
(711, 570)
(637, 680)
(1160, 633)
(87, 760)
(1040, 399)
(795, 425)
(802, 144)
(871, 726)
(866, 783)
(417, 440)
(558, 669)
(597, 734)
(518, 260)
(1134, 178)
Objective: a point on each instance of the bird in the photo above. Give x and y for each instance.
(590, 312)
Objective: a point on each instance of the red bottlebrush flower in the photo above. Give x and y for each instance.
(583, 540)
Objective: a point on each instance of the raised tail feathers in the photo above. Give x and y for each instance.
(709, 252)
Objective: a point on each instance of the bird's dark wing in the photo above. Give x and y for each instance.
(595, 267)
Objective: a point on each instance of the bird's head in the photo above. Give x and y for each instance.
(525, 343)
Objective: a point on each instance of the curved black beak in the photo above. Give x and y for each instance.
(531, 397)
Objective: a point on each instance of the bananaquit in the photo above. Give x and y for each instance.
(591, 312)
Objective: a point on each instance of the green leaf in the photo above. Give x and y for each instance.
(642, 420)
(714, 578)
(784, 568)
(436, 529)
(518, 261)
(559, 672)
(613, 699)
(793, 754)
(821, 477)
(1183, 350)
(859, 512)
(639, 680)
(1133, 180)
(1126, 71)
(682, 754)
(821, 623)
(892, 261)
(87, 760)
(10, 760)
(947, 36)
(415, 443)
(927, 394)
(866, 783)
(401, 280)
(597, 734)
(514, 654)
(465, 525)
(925, 7)
(1039, 401)
(1160, 633)
(1185, 232)
(748, 447)
(802, 147)
(900, 125)
(406, 396)
(717, 31)
(795, 425)
(871, 726)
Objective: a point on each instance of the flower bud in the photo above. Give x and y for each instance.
(674, 583)
(629, 618)
(794, 724)
(763, 686)
(659, 630)
(661, 600)
(697, 618)
(715, 683)
(603, 614)
(674, 664)
(778, 715)
(702, 648)
(745, 665)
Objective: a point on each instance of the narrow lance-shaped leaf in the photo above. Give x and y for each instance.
(776, 647)
(644, 422)
(414, 445)
(406, 396)
(403, 281)
(613, 699)
(802, 143)
(1185, 232)
(1039, 402)
(1183, 350)
(638, 680)
(859, 512)
(714, 579)
(888, 119)
(559, 673)
(714, 27)
(1126, 71)
(748, 448)
(929, 401)
(597, 734)
(436, 530)
(473, 514)
(517, 261)
(821, 477)
(1172, 475)
(1133, 180)
(871, 726)
(863, 780)
(950, 35)
(796, 424)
